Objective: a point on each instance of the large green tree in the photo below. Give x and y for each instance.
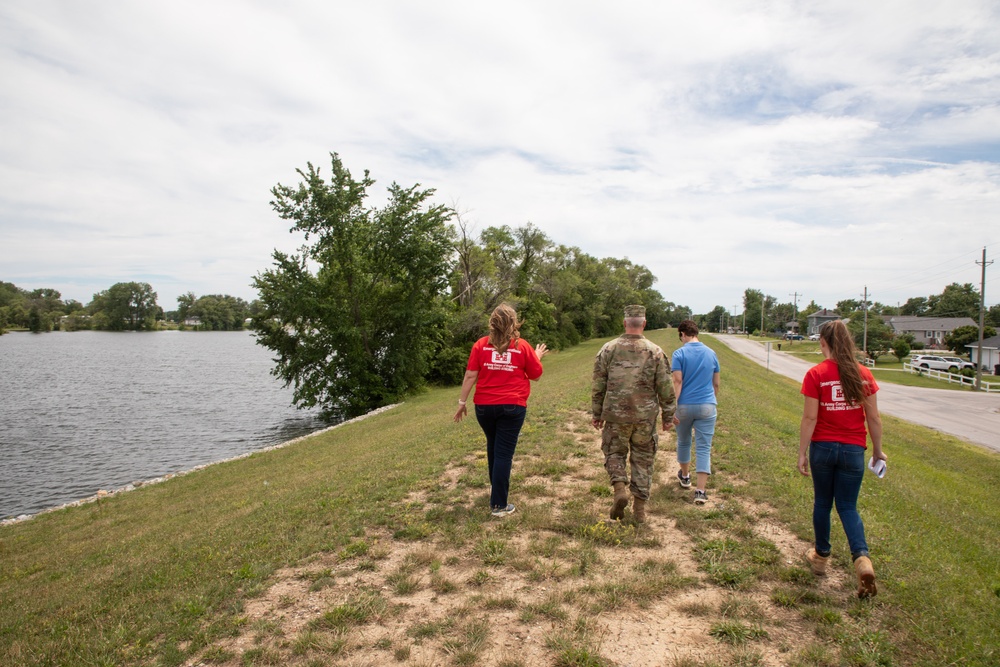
(753, 300)
(714, 320)
(916, 305)
(955, 301)
(217, 312)
(127, 306)
(354, 319)
(878, 338)
(992, 315)
(962, 336)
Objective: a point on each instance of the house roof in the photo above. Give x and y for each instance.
(825, 313)
(990, 343)
(914, 323)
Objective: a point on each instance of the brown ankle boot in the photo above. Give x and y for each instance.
(866, 577)
(639, 510)
(620, 502)
(816, 562)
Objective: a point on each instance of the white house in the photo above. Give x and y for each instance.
(991, 352)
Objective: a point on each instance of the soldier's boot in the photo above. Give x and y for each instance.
(866, 577)
(639, 510)
(816, 562)
(620, 501)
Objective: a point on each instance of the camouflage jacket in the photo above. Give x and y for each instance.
(632, 381)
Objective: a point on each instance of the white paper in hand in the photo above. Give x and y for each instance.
(877, 466)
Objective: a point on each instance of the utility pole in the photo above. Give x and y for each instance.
(982, 312)
(864, 307)
(795, 306)
(735, 306)
(762, 299)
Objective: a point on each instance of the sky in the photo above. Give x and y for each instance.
(807, 149)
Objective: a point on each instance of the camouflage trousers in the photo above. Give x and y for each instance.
(636, 442)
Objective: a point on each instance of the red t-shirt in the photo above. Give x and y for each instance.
(838, 420)
(503, 378)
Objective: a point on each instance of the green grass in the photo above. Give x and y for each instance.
(932, 541)
(915, 380)
(157, 575)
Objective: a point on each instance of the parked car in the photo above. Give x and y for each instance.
(961, 363)
(936, 363)
(813, 336)
(794, 336)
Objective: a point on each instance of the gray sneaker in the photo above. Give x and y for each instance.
(685, 480)
(700, 497)
(503, 511)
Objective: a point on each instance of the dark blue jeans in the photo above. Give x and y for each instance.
(837, 471)
(501, 424)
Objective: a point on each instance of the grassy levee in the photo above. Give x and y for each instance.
(153, 576)
(932, 524)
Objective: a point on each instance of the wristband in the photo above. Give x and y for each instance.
(461, 402)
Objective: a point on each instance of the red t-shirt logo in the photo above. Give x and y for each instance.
(501, 358)
(838, 393)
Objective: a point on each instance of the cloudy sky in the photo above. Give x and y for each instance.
(798, 147)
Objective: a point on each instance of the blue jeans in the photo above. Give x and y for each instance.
(502, 425)
(837, 471)
(699, 417)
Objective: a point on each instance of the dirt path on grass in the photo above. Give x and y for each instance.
(555, 583)
(969, 415)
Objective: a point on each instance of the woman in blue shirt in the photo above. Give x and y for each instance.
(695, 371)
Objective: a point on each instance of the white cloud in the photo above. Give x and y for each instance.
(786, 146)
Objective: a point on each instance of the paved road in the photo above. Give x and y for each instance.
(972, 416)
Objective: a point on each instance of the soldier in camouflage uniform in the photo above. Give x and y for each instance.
(631, 384)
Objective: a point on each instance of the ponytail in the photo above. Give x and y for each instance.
(845, 355)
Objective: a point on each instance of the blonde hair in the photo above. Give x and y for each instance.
(845, 354)
(504, 327)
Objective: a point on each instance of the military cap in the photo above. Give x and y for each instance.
(635, 311)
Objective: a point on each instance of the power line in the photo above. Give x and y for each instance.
(954, 268)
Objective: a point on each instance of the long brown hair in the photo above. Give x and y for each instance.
(504, 327)
(845, 354)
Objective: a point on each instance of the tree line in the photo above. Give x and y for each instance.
(126, 306)
(762, 314)
(382, 300)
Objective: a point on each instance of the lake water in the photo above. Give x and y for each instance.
(92, 410)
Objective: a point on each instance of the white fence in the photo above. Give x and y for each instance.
(952, 378)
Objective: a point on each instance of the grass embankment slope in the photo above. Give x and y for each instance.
(371, 544)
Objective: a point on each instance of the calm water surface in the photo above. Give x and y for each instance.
(93, 410)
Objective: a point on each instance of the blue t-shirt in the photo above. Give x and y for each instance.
(697, 364)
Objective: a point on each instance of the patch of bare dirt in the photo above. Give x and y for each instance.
(523, 589)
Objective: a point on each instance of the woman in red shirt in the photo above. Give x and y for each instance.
(839, 401)
(500, 367)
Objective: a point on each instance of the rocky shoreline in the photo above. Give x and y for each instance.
(102, 493)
